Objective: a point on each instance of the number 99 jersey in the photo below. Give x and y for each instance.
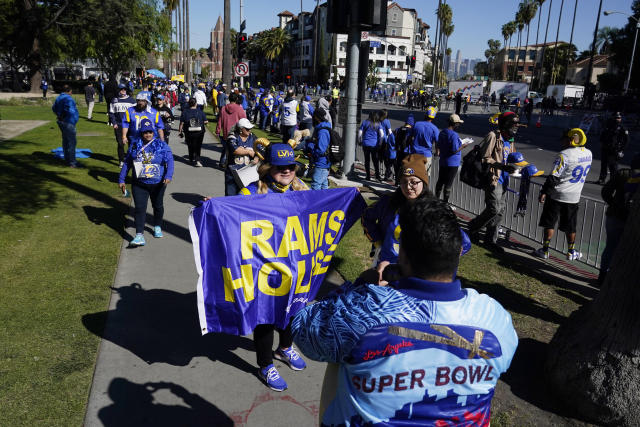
(570, 168)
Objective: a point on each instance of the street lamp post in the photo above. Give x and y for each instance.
(633, 51)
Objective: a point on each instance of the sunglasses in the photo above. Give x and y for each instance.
(286, 168)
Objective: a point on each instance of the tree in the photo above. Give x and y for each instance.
(507, 32)
(481, 69)
(592, 364)
(490, 54)
(273, 45)
(557, 70)
(372, 76)
(622, 47)
(555, 51)
(529, 13)
(520, 26)
(606, 38)
(544, 46)
(121, 35)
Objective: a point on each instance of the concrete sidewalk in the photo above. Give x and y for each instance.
(154, 367)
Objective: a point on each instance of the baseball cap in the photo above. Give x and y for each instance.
(245, 123)
(281, 155)
(146, 126)
(531, 170)
(516, 159)
(122, 86)
(410, 120)
(142, 96)
(159, 96)
(431, 112)
(307, 98)
(454, 118)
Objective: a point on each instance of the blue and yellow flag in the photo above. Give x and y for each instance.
(261, 258)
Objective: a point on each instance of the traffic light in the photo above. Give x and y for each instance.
(241, 44)
(413, 61)
(288, 76)
(408, 61)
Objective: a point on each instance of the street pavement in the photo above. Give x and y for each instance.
(154, 367)
(538, 145)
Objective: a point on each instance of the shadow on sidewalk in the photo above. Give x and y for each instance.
(161, 326)
(135, 405)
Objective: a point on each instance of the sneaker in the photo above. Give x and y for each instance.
(157, 232)
(272, 378)
(573, 255)
(541, 253)
(121, 164)
(198, 164)
(291, 357)
(138, 240)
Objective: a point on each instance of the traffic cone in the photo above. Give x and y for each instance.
(539, 122)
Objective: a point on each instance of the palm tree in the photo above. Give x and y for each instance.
(505, 36)
(555, 46)
(520, 26)
(511, 29)
(605, 38)
(445, 16)
(170, 6)
(273, 44)
(575, 9)
(529, 13)
(189, 72)
(544, 46)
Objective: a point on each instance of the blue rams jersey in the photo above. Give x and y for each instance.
(422, 353)
(132, 118)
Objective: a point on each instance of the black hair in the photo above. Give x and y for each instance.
(233, 97)
(430, 237)
(319, 115)
(66, 89)
(383, 114)
(192, 102)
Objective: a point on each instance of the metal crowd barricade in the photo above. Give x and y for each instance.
(590, 233)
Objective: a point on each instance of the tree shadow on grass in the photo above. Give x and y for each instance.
(514, 301)
(161, 326)
(26, 190)
(134, 405)
(111, 217)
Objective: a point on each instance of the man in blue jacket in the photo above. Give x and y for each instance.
(67, 115)
(318, 151)
(421, 350)
(424, 135)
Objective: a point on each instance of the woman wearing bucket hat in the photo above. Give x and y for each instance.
(277, 175)
(151, 161)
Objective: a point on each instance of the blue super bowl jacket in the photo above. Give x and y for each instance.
(414, 353)
(318, 147)
(65, 109)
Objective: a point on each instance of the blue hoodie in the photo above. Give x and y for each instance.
(156, 157)
(319, 146)
(65, 108)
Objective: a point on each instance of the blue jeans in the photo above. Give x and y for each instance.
(230, 187)
(223, 155)
(263, 119)
(319, 179)
(68, 142)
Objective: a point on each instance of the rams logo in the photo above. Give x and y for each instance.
(409, 171)
(284, 153)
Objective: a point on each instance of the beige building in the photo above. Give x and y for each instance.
(529, 61)
(577, 71)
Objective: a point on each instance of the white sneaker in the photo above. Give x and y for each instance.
(121, 164)
(573, 255)
(540, 253)
(198, 164)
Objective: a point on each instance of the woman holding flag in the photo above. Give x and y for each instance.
(277, 175)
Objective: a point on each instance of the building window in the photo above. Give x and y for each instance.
(392, 49)
(520, 68)
(512, 54)
(342, 61)
(530, 68)
(402, 51)
(532, 55)
(400, 65)
(391, 64)
(393, 32)
(522, 55)
(394, 17)
(380, 63)
(343, 46)
(370, 62)
(306, 50)
(381, 50)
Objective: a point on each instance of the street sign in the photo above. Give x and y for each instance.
(364, 35)
(374, 44)
(241, 69)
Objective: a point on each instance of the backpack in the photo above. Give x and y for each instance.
(335, 150)
(473, 172)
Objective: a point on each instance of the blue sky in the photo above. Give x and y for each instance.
(474, 24)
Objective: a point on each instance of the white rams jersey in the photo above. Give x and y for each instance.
(571, 168)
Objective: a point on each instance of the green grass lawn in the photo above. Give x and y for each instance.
(61, 236)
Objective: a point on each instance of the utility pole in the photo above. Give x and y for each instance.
(189, 68)
(566, 73)
(555, 47)
(434, 61)
(242, 27)
(301, 28)
(587, 83)
(353, 50)
(315, 40)
(226, 45)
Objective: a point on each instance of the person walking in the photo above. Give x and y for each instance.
(44, 86)
(402, 138)
(424, 136)
(613, 140)
(458, 102)
(89, 98)
(201, 97)
(117, 109)
(305, 113)
(288, 116)
(166, 114)
(318, 149)
(133, 117)
(561, 192)
(369, 135)
(227, 119)
(151, 162)
(496, 147)
(193, 121)
(449, 148)
(66, 111)
(277, 175)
